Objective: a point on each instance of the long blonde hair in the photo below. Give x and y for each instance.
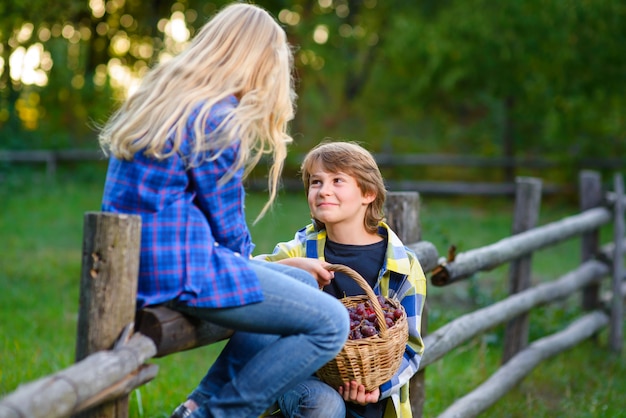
(243, 52)
(351, 158)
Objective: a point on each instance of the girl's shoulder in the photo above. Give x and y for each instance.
(215, 111)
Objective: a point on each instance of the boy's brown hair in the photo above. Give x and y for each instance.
(354, 160)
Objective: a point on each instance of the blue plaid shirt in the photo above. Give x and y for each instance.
(195, 243)
(401, 277)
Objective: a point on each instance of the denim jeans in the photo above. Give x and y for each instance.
(312, 398)
(278, 343)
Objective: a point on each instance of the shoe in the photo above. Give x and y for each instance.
(181, 412)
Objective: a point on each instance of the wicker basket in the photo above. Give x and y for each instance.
(373, 360)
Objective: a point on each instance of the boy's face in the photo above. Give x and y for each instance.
(335, 198)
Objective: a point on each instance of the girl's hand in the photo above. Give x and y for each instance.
(355, 393)
(314, 266)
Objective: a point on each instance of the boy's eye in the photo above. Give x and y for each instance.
(315, 182)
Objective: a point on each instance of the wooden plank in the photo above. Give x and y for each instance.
(436, 188)
(34, 156)
(108, 290)
(99, 377)
(525, 216)
(171, 331)
(611, 198)
(402, 216)
(616, 333)
(383, 159)
(426, 253)
(510, 248)
(462, 329)
(590, 184)
(509, 375)
(78, 155)
(42, 156)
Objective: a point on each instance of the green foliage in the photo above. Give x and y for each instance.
(508, 78)
(548, 67)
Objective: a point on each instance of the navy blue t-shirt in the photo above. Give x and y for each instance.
(367, 260)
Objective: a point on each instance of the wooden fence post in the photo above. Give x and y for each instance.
(108, 290)
(402, 216)
(617, 302)
(527, 206)
(590, 183)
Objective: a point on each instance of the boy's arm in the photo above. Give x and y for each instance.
(293, 253)
(289, 249)
(316, 267)
(412, 300)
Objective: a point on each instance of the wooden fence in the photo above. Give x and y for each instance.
(113, 351)
(494, 165)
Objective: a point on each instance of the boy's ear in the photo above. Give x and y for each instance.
(369, 197)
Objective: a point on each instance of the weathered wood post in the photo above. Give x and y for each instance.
(108, 290)
(526, 214)
(617, 302)
(590, 184)
(402, 215)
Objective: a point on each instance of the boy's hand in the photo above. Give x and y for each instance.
(314, 266)
(355, 393)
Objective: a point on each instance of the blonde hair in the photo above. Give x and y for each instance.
(354, 160)
(241, 52)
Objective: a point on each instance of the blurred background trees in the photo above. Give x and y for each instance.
(508, 78)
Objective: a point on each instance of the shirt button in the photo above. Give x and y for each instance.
(237, 254)
(216, 244)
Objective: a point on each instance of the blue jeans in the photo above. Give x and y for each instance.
(312, 398)
(279, 342)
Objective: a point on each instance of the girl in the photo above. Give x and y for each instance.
(180, 148)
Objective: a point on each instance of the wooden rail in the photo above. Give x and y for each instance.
(383, 159)
(511, 248)
(98, 379)
(52, 158)
(462, 329)
(507, 376)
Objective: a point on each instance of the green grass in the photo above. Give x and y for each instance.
(41, 231)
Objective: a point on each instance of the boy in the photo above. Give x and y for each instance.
(346, 194)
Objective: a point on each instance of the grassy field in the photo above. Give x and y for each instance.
(41, 229)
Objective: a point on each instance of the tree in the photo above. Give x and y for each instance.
(538, 77)
(548, 76)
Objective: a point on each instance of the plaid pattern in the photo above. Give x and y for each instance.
(195, 243)
(401, 277)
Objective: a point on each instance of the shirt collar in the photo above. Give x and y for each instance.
(396, 256)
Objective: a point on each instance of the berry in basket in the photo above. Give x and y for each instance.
(363, 321)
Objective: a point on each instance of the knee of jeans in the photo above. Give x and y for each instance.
(332, 403)
(337, 334)
(313, 399)
(342, 319)
(305, 277)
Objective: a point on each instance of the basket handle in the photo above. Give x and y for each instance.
(378, 310)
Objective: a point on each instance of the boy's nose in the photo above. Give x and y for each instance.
(325, 190)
